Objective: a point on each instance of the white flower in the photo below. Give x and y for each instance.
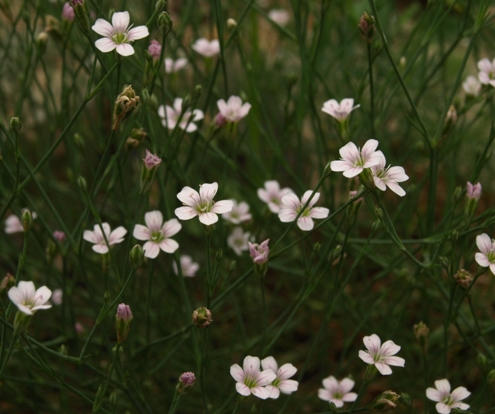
(207, 48)
(13, 224)
(291, 206)
(202, 204)
(118, 35)
(188, 267)
(233, 110)
(250, 380)
(172, 66)
(339, 111)
(157, 233)
(471, 86)
(272, 195)
(354, 160)
(337, 392)
(27, 299)
(57, 296)
(281, 383)
(96, 237)
(170, 116)
(279, 16)
(447, 400)
(239, 213)
(388, 177)
(381, 356)
(238, 240)
(487, 248)
(487, 72)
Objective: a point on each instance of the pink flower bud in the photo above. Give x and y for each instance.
(124, 312)
(68, 13)
(123, 320)
(59, 235)
(155, 49)
(186, 381)
(220, 120)
(259, 252)
(473, 191)
(57, 296)
(151, 160)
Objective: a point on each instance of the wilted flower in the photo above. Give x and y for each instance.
(188, 267)
(125, 104)
(118, 35)
(151, 160)
(173, 66)
(207, 48)
(486, 256)
(29, 300)
(445, 399)
(202, 204)
(281, 383)
(354, 160)
(389, 176)
(463, 278)
(339, 111)
(386, 401)
(381, 355)
(487, 72)
(291, 206)
(272, 195)
(259, 252)
(201, 317)
(170, 116)
(279, 16)
(239, 213)
(157, 234)
(233, 110)
(68, 13)
(421, 332)
(250, 380)
(238, 240)
(473, 191)
(96, 237)
(337, 392)
(471, 86)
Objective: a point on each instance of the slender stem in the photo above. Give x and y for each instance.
(372, 90)
(148, 301)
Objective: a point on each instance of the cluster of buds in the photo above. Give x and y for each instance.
(421, 332)
(259, 253)
(201, 317)
(123, 319)
(463, 278)
(148, 171)
(126, 103)
(367, 27)
(186, 382)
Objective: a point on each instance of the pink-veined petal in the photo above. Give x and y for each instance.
(208, 218)
(460, 393)
(120, 21)
(208, 191)
(117, 235)
(260, 392)
(286, 215)
(389, 348)
(189, 196)
(319, 212)
(136, 33)
(339, 166)
(237, 373)
(154, 220)
(442, 408)
(349, 397)
(481, 259)
(395, 361)
(151, 249)
(105, 45)
(185, 213)
(103, 28)
(369, 148)
(169, 245)
(352, 172)
(171, 227)
(305, 223)
(384, 369)
(288, 386)
(274, 392)
(222, 206)
(125, 49)
(141, 232)
(347, 384)
(397, 189)
(242, 389)
(100, 248)
(484, 243)
(286, 371)
(266, 377)
(366, 357)
(251, 365)
(269, 362)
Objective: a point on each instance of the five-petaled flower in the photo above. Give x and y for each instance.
(187, 266)
(171, 116)
(291, 206)
(487, 72)
(239, 213)
(250, 380)
(96, 237)
(388, 176)
(29, 300)
(339, 111)
(354, 160)
(281, 383)
(233, 110)
(202, 204)
(238, 240)
(118, 35)
(445, 399)
(381, 355)
(157, 233)
(207, 48)
(272, 195)
(337, 392)
(486, 256)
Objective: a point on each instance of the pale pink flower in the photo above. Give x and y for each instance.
(13, 224)
(118, 35)
(445, 399)
(59, 235)
(151, 160)
(187, 265)
(96, 237)
(202, 204)
(170, 116)
(57, 296)
(29, 300)
(471, 86)
(388, 176)
(337, 392)
(279, 16)
(206, 48)
(155, 49)
(239, 213)
(272, 195)
(233, 110)
(473, 191)
(238, 240)
(339, 111)
(68, 13)
(381, 355)
(259, 252)
(281, 383)
(486, 256)
(250, 380)
(354, 160)
(78, 326)
(173, 66)
(291, 206)
(157, 234)
(487, 72)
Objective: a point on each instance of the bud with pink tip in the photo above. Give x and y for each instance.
(155, 49)
(123, 319)
(473, 194)
(59, 235)
(68, 13)
(259, 252)
(186, 382)
(148, 172)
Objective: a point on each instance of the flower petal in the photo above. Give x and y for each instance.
(151, 249)
(103, 28)
(105, 45)
(136, 33)
(141, 232)
(125, 49)
(120, 21)
(169, 245)
(208, 218)
(185, 213)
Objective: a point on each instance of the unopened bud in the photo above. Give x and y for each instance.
(15, 124)
(186, 382)
(454, 235)
(457, 193)
(198, 90)
(367, 27)
(81, 15)
(335, 254)
(450, 120)
(126, 103)
(6, 283)
(379, 213)
(26, 219)
(68, 13)
(231, 23)
(41, 43)
(123, 319)
(106, 296)
(201, 317)
(405, 399)
(421, 332)
(463, 278)
(402, 63)
(79, 141)
(164, 22)
(160, 4)
(136, 256)
(473, 191)
(482, 361)
(155, 49)
(385, 401)
(51, 250)
(444, 262)
(81, 182)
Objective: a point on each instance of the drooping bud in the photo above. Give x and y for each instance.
(81, 15)
(386, 401)
(463, 278)
(421, 332)
(201, 317)
(136, 256)
(27, 220)
(367, 27)
(15, 124)
(123, 319)
(186, 382)
(148, 171)
(126, 103)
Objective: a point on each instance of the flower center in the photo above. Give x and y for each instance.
(156, 237)
(250, 381)
(204, 206)
(491, 256)
(338, 395)
(119, 38)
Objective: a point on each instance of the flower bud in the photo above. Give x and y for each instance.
(21, 322)
(198, 90)
(148, 171)
(463, 278)
(26, 219)
(41, 43)
(59, 235)
(231, 23)
(385, 401)
(160, 4)
(421, 332)
(155, 49)
(81, 15)
(186, 382)
(123, 319)
(353, 208)
(473, 194)
(15, 124)
(51, 250)
(136, 256)
(136, 137)
(81, 182)
(201, 317)
(6, 283)
(164, 22)
(444, 262)
(106, 296)
(126, 103)
(405, 399)
(367, 27)
(68, 13)
(482, 361)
